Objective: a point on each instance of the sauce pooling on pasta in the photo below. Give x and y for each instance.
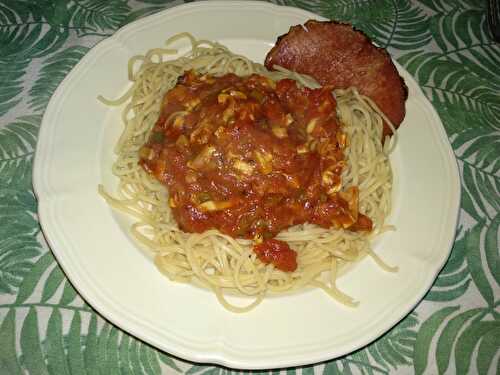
(251, 157)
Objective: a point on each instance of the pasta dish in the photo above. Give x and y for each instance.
(247, 180)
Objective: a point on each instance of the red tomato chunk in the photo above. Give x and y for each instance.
(278, 253)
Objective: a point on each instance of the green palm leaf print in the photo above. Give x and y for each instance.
(469, 262)
(97, 15)
(11, 72)
(100, 350)
(396, 347)
(23, 35)
(461, 79)
(425, 336)
(448, 336)
(487, 351)
(18, 246)
(468, 341)
(491, 248)
(440, 6)
(11, 68)
(17, 143)
(474, 263)
(50, 76)
(459, 333)
(31, 280)
(408, 30)
(22, 38)
(481, 180)
(152, 6)
(8, 356)
(453, 281)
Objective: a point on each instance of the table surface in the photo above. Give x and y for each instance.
(46, 327)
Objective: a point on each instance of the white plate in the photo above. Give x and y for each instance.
(92, 245)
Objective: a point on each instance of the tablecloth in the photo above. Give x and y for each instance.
(46, 327)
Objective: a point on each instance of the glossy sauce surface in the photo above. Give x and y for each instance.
(251, 157)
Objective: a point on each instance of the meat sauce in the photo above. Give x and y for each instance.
(251, 157)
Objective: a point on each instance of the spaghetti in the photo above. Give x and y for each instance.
(213, 259)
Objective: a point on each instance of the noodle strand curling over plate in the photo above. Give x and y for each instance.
(93, 245)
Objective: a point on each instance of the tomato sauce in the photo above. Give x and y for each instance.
(251, 157)
(278, 253)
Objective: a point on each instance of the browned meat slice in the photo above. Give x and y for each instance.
(336, 54)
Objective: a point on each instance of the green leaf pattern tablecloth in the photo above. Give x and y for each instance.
(45, 326)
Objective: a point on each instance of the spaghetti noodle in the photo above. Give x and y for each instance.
(213, 259)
